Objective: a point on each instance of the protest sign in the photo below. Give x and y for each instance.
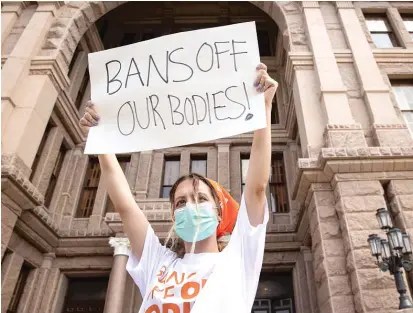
(176, 90)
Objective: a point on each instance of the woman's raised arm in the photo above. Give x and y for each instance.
(134, 220)
(260, 158)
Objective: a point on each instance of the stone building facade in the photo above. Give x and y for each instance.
(342, 148)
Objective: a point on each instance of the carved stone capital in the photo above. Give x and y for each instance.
(121, 245)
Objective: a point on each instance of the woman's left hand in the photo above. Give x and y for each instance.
(264, 83)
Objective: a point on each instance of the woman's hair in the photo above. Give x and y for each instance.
(177, 244)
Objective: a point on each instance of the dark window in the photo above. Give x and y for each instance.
(128, 38)
(404, 97)
(171, 172)
(380, 30)
(275, 117)
(40, 149)
(18, 289)
(148, 36)
(199, 165)
(90, 187)
(86, 295)
(264, 43)
(55, 174)
(408, 23)
(277, 194)
(245, 161)
(123, 162)
(82, 89)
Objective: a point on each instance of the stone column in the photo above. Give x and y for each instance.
(388, 128)
(10, 271)
(142, 177)
(185, 163)
(27, 100)
(99, 207)
(28, 292)
(329, 260)
(8, 221)
(47, 160)
(117, 279)
(223, 166)
(334, 100)
(357, 202)
(42, 279)
(10, 12)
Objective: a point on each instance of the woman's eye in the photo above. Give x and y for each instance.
(180, 203)
(203, 199)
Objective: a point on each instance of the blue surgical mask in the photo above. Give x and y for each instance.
(194, 224)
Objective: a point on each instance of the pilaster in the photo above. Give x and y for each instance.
(386, 124)
(223, 165)
(144, 172)
(10, 12)
(357, 202)
(10, 271)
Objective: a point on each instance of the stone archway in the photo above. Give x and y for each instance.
(75, 17)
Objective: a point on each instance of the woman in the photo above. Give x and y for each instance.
(174, 280)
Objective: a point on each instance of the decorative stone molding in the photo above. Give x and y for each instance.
(344, 5)
(387, 135)
(297, 60)
(48, 259)
(310, 4)
(350, 135)
(121, 245)
(53, 68)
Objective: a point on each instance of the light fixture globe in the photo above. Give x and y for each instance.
(383, 217)
(407, 248)
(375, 245)
(385, 248)
(395, 238)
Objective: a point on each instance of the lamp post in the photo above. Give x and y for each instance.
(392, 254)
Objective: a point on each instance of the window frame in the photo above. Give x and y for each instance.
(93, 167)
(407, 17)
(278, 157)
(199, 157)
(401, 83)
(168, 158)
(19, 288)
(57, 168)
(391, 35)
(243, 156)
(40, 149)
(124, 162)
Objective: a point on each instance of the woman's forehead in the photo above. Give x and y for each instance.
(187, 187)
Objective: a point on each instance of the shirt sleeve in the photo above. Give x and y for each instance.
(144, 270)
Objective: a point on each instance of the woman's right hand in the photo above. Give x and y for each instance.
(90, 118)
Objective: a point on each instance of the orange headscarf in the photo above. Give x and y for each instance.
(229, 209)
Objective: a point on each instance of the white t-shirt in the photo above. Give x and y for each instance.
(222, 282)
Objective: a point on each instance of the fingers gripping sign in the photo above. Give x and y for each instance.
(90, 118)
(264, 83)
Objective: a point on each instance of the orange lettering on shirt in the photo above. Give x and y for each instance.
(168, 295)
(153, 309)
(190, 290)
(175, 276)
(161, 273)
(187, 307)
(190, 275)
(170, 308)
(156, 288)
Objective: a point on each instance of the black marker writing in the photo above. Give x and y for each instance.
(132, 61)
(152, 61)
(211, 57)
(180, 63)
(235, 53)
(219, 52)
(154, 109)
(118, 119)
(113, 79)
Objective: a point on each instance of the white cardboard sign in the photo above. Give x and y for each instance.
(176, 90)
